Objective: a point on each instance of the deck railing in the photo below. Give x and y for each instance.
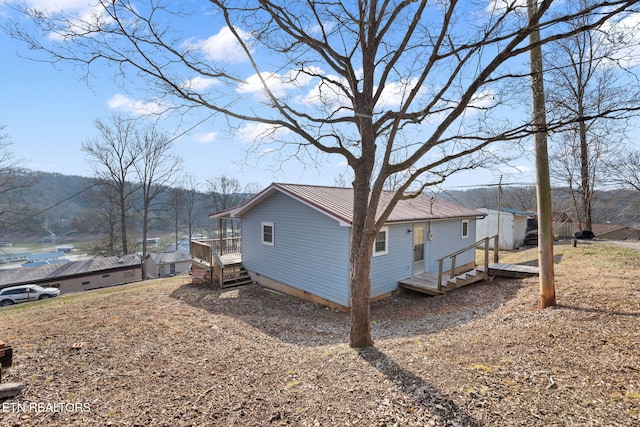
(223, 246)
(211, 251)
(452, 270)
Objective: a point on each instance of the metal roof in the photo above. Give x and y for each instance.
(337, 203)
(511, 211)
(170, 257)
(53, 272)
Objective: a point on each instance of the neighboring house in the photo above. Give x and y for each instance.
(56, 256)
(296, 239)
(76, 276)
(613, 231)
(512, 230)
(167, 264)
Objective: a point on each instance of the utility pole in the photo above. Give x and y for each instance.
(543, 186)
(499, 209)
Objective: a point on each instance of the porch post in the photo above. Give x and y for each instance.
(220, 234)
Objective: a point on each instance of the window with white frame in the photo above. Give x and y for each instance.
(268, 233)
(465, 228)
(381, 244)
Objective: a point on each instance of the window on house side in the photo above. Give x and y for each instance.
(380, 246)
(465, 228)
(267, 233)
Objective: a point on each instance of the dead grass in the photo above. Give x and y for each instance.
(168, 353)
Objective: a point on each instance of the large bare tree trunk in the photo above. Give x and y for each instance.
(363, 234)
(543, 185)
(585, 174)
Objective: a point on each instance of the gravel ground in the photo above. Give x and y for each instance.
(167, 353)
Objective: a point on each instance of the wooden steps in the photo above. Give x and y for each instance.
(235, 275)
(463, 279)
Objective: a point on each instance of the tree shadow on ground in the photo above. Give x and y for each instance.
(412, 385)
(598, 311)
(301, 322)
(557, 258)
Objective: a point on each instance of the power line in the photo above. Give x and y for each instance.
(100, 180)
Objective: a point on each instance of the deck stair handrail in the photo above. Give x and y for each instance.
(452, 271)
(203, 250)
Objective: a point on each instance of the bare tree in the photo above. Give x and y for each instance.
(113, 155)
(224, 192)
(191, 207)
(587, 75)
(157, 169)
(106, 215)
(624, 170)
(13, 176)
(408, 88)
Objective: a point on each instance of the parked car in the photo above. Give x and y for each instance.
(586, 234)
(24, 293)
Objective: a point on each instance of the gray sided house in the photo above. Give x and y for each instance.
(167, 264)
(296, 238)
(75, 276)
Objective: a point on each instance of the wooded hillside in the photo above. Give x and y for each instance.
(63, 205)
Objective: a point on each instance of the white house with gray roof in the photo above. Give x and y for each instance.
(167, 264)
(296, 239)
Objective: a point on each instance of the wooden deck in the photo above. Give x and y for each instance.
(231, 258)
(512, 270)
(427, 282)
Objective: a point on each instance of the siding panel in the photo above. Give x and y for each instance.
(447, 238)
(397, 264)
(310, 251)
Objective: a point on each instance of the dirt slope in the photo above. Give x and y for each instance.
(168, 353)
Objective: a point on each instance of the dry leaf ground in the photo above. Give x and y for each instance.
(166, 353)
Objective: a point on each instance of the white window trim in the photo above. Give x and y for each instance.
(384, 230)
(464, 221)
(273, 233)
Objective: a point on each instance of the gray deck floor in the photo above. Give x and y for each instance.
(427, 282)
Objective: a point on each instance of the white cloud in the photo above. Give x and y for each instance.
(500, 6)
(222, 46)
(205, 138)
(254, 131)
(123, 103)
(625, 39)
(199, 84)
(396, 92)
(483, 99)
(88, 21)
(279, 84)
(328, 94)
(59, 5)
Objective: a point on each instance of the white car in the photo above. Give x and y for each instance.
(24, 293)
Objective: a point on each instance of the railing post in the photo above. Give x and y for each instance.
(486, 258)
(496, 247)
(453, 265)
(440, 273)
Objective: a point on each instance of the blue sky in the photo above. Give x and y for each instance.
(50, 110)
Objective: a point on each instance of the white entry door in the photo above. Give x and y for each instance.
(418, 249)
